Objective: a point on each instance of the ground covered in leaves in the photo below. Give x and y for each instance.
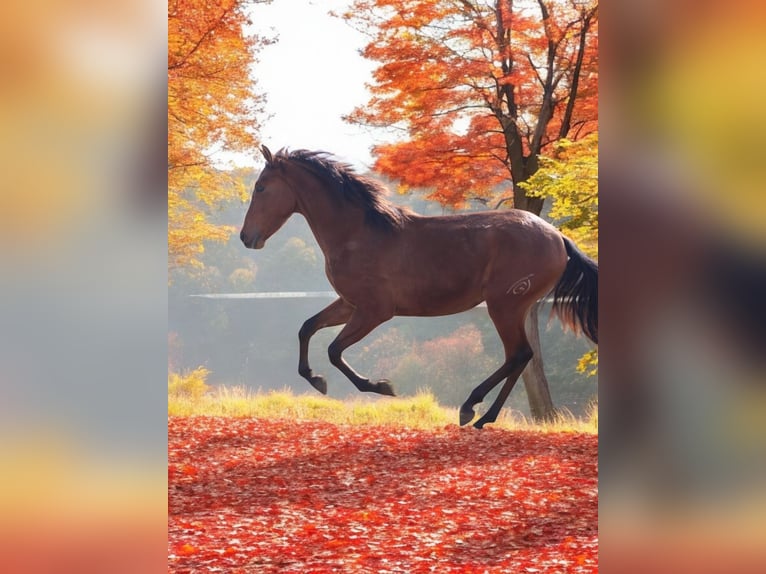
(255, 495)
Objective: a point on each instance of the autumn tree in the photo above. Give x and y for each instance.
(477, 91)
(569, 177)
(212, 107)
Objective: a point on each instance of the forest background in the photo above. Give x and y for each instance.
(466, 106)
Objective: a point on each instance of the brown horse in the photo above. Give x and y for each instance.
(385, 261)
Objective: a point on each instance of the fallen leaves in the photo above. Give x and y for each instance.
(254, 495)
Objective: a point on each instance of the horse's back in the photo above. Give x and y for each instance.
(447, 264)
(510, 234)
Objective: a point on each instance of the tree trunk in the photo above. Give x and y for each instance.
(521, 168)
(535, 382)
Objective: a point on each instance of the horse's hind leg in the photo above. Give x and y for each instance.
(337, 313)
(491, 415)
(510, 327)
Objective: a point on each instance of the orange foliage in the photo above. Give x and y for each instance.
(479, 89)
(212, 106)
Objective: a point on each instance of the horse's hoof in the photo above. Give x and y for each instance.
(466, 416)
(384, 387)
(319, 383)
(480, 423)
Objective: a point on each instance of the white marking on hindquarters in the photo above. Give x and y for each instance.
(521, 286)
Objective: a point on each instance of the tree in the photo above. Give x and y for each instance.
(478, 91)
(212, 106)
(570, 178)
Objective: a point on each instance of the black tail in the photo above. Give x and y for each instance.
(575, 296)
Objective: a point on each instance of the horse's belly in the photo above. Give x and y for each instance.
(435, 311)
(435, 301)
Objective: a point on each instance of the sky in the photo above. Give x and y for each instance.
(312, 76)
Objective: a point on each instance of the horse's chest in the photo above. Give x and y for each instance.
(350, 268)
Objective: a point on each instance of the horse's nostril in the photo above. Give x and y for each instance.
(242, 236)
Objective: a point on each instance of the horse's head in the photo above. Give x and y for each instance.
(272, 204)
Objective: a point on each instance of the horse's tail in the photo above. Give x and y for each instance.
(575, 296)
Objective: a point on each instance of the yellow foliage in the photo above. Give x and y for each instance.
(211, 106)
(588, 363)
(190, 385)
(569, 176)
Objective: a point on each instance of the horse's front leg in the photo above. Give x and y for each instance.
(358, 326)
(337, 313)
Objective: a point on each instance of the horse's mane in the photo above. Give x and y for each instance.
(357, 189)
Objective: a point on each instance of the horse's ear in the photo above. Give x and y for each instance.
(266, 154)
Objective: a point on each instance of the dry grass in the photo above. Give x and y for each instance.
(419, 411)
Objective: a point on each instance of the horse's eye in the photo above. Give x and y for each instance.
(259, 188)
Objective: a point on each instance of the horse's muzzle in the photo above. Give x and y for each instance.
(254, 242)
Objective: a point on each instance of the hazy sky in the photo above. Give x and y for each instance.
(312, 76)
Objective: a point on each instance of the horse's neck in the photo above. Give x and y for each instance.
(332, 220)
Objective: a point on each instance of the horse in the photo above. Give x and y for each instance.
(384, 260)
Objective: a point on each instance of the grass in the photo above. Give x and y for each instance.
(419, 411)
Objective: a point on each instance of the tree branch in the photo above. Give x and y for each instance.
(566, 121)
